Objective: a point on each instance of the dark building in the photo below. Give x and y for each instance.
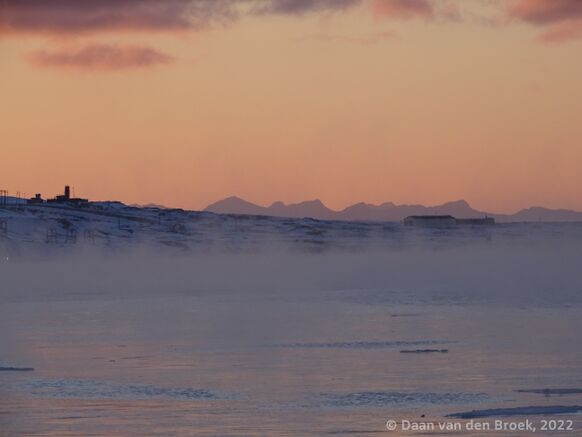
(446, 220)
(430, 220)
(66, 198)
(37, 199)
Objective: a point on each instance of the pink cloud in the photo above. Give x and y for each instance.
(560, 19)
(402, 9)
(562, 32)
(89, 16)
(101, 57)
(543, 12)
(92, 16)
(79, 18)
(298, 7)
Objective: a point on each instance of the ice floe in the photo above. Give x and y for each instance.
(544, 410)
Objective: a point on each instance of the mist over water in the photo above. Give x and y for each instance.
(284, 341)
(508, 269)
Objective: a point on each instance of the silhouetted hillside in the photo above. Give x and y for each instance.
(387, 211)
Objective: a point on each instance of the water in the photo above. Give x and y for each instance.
(288, 344)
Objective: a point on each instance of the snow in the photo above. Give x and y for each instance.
(43, 229)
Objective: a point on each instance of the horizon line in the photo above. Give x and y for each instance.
(23, 196)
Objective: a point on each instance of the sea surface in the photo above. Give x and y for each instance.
(275, 343)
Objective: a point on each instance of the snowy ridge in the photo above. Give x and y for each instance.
(44, 228)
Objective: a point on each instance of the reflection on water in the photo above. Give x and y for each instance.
(299, 358)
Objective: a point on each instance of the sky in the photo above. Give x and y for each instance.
(185, 102)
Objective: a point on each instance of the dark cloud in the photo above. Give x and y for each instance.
(561, 20)
(101, 57)
(94, 17)
(545, 12)
(83, 16)
(298, 7)
(91, 16)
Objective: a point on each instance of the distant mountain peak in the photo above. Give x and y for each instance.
(458, 203)
(359, 205)
(234, 205)
(387, 204)
(314, 202)
(233, 199)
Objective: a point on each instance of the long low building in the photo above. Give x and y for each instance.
(446, 220)
(430, 220)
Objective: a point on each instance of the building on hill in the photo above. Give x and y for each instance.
(430, 220)
(446, 220)
(67, 199)
(37, 199)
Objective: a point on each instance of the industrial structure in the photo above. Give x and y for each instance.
(37, 199)
(64, 198)
(3, 198)
(430, 220)
(446, 221)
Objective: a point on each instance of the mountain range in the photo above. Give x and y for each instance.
(387, 211)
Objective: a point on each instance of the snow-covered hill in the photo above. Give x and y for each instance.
(44, 229)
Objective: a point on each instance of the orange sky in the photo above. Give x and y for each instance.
(410, 101)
